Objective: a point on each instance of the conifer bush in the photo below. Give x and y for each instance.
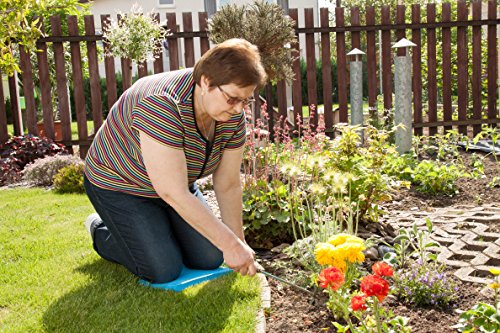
(70, 179)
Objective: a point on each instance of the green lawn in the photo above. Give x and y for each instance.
(74, 129)
(52, 281)
(305, 108)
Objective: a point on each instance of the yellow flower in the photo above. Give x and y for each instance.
(324, 253)
(340, 265)
(352, 251)
(495, 285)
(495, 271)
(338, 239)
(354, 239)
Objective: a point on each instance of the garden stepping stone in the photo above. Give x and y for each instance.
(469, 237)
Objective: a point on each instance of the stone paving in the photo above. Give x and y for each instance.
(469, 237)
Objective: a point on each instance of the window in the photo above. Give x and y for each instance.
(283, 4)
(221, 3)
(166, 2)
(210, 7)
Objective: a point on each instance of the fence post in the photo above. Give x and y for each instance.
(4, 135)
(356, 89)
(403, 112)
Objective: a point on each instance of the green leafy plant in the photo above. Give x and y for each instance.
(69, 179)
(42, 171)
(412, 243)
(263, 24)
(436, 178)
(15, 26)
(483, 317)
(311, 186)
(491, 133)
(20, 25)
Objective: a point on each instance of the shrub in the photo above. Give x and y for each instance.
(42, 171)
(425, 284)
(273, 38)
(27, 148)
(19, 151)
(136, 36)
(69, 179)
(10, 172)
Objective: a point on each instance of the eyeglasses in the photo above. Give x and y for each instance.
(235, 100)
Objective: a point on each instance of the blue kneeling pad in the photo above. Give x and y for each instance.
(189, 277)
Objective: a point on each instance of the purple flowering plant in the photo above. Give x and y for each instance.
(425, 284)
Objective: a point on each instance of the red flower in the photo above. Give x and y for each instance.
(374, 285)
(331, 276)
(358, 302)
(382, 269)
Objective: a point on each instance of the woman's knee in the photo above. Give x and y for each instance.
(209, 260)
(160, 271)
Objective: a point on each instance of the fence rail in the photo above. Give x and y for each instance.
(454, 66)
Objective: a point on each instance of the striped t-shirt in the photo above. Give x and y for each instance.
(161, 106)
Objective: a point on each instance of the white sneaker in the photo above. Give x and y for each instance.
(91, 223)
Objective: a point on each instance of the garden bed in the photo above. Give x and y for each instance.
(293, 311)
(296, 311)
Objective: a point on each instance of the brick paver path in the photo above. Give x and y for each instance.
(469, 237)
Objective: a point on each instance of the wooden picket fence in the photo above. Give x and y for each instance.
(392, 29)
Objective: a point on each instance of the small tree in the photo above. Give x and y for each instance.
(135, 36)
(14, 26)
(20, 24)
(264, 25)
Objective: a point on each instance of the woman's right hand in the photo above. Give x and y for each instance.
(240, 258)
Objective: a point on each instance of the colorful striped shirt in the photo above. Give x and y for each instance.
(161, 106)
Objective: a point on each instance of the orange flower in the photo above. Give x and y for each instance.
(380, 268)
(358, 303)
(331, 277)
(374, 285)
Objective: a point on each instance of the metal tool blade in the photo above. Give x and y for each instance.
(286, 282)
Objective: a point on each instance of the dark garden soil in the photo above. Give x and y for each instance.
(295, 311)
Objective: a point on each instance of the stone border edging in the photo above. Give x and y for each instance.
(266, 304)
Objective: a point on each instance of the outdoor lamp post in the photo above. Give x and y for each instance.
(356, 86)
(403, 91)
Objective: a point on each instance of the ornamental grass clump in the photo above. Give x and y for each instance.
(263, 24)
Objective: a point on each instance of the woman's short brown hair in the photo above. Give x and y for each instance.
(232, 61)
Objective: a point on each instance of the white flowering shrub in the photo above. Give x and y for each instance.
(136, 36)
(42, 171)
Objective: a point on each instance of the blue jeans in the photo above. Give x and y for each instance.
(147, 236)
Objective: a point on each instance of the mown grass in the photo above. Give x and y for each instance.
(74, 129)
(52, 281)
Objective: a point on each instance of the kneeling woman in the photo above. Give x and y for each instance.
(164, 133)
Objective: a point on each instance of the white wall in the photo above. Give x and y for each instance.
(113, 7)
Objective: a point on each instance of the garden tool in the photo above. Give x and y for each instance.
(261, 270)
